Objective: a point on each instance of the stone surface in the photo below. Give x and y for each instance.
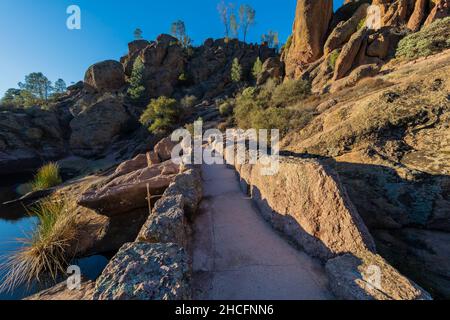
(272, 68)
(418, 16)
(96, 127)
(60, 292)
(439, 11)
(237, 255)
(105, 76)
(189, 185)
(348, 54)
(308, 203)
(312, 19)
(167, 223)
(143, 271)
(122, 194)
(369, 277)
(164, 149)
(345, 29)
(137, 163)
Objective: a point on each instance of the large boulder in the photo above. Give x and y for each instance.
(28, 137)
(345, 29)
(418, 16)
(272, 68)
(346, 59)
(167, 223)
(105, 76)
(312, 19)
(143, 271)
(117, 195)
(369, 277)
(97, 125)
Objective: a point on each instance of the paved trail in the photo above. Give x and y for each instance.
(237, 255)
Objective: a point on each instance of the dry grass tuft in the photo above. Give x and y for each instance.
(44, 253)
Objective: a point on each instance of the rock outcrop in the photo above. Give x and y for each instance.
(388, 140)
(143, 271)
(105, 76)
(370, 277)
(312, 19)
(60, 292)
(97, 126)
(168, 221)
(118, 195)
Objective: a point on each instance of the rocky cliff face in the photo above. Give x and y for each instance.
(326, 47)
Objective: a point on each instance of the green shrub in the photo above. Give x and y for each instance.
(257, 68)
(47, 177)
(188, 101)
(431, 39)
(161, 115)
(226, 108)
(334, 55)
(290, 92)
(44, 254)
(361, 24)
(236, 71)
(267, 107)
(136, 90)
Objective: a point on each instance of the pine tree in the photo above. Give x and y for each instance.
(257, 68)
(236, 71)
(137, 89)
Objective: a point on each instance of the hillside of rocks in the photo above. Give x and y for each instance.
(366, 179)
(383, 124)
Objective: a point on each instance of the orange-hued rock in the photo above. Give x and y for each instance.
(310, 30)
(306, 201)
(440, 10)
(419, 14)
(125, 193)
(137, 163)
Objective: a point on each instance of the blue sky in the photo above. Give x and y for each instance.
(35, 38)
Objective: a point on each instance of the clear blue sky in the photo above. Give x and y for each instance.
(35, 38)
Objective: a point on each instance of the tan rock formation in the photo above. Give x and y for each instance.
(309, 33)
(418, 16)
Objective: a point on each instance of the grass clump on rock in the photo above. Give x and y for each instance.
(47, 177)
(43, 255)
(431, 39)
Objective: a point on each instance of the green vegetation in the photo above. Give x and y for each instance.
(44, 253)
(431, 39)
(272, 39)
(47, 177)
(236, 71)
(188, 101)
(361, 24)
(228, 17)
(161, 115)
(246, 18)
(257, 68)
(136, 90)
(37, 90)
(178, 30)
(274, 106)
(226, 107)
(332, 58)
(290, 92)
(288, 43)
(137, 34)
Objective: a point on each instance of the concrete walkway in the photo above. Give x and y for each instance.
(238, 256)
